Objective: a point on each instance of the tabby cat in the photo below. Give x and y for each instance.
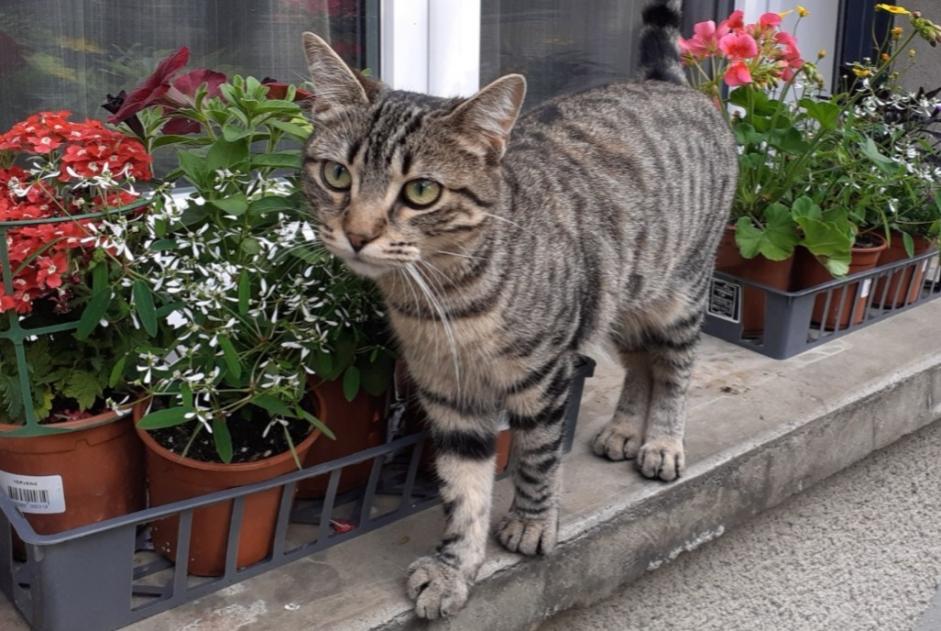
(498, 257)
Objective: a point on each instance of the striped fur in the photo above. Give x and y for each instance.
(598, 218)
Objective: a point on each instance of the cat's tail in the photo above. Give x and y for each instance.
(659, 42)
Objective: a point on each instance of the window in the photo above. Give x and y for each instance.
(68, 54)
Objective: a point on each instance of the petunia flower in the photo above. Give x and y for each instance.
(153, 88)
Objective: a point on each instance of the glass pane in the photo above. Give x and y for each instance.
(563, 46)
(68, 54)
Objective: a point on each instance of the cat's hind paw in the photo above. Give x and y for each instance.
(437, 589)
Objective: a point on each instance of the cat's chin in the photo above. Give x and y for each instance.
(366, 269)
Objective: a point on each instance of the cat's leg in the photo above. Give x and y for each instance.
(465, 443)
(672, 352)
(623, 435)
(536, 407)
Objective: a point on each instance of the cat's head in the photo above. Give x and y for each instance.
(396, 177)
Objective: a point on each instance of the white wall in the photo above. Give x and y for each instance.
(817, 31)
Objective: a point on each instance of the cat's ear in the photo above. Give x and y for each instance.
(335, 84)
(488, 117)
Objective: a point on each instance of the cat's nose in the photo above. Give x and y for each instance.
(359, 241)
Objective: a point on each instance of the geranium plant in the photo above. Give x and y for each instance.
(811, 168)
(260, 306)
(52, 168)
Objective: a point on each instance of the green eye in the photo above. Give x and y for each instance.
(336, 176)
(421, 193)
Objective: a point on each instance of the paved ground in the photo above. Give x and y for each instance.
(861, 550)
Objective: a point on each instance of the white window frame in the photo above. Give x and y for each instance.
(430, 46)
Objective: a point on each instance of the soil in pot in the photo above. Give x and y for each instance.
(905, 284)
(358, 424)
(172, 477)
(93, 472)
(848, 303)
(774, 274)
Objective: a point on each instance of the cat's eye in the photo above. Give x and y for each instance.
(336, 176)
(421, 193)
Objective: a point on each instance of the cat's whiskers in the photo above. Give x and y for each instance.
(435, 303)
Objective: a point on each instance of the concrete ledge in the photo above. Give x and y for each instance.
(760, 431)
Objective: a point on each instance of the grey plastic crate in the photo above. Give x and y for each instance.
(106, 575)
(789, 325)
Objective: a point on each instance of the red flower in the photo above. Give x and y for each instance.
(279, 90)
(738, 46)
(160, 88)
(153, 88)
(738, 74)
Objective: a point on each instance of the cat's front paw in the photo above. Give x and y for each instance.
(527, 535)
(662, 458)
(438, 589)
(617, 442)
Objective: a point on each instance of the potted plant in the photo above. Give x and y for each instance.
(777, 132)
(257, 305)
(71, 308)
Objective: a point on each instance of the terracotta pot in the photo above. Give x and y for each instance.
(504, 446)
(100, 462)
(775, 274)
(358, 424)
(809, 272)
(171, 477)
(911, 277)
(728, 255)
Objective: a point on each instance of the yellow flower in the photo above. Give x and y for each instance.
(891, 8)
(912, 53)
(861, 72)
(821, 53)
(802, 11)
(885, 56)
(897, 32)
(784, 14)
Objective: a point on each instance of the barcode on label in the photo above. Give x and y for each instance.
(37, 494)
(28, 496)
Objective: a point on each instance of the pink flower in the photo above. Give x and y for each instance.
(737, 74)
(154, 87)
(735, 23)
(704, 41)
(789, 55)
(738, 46)
(769, 21)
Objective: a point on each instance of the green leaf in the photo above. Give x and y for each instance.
(186, 394)
(788, 140)
(345, 348)
(194, 168)
(94, 311)
(805, 207)
(231, 356)
(235, 204)
(271, 203)
(251, 246)
(163, 245)
(83, 387)
(272, 405)
(232, 132)
(871, 151)
(117, 372)
(298, 131)
(144, 304)
(282, 160)
(222, 439)
(824, 112)
(224, 154)
(316, 422)
(775, 242)
(323, 365)
(351, 379)
(377, 374)
(169, 417)
(832, 241)
(909, 244)
(193, 215)
(245, 292)
(170, 139)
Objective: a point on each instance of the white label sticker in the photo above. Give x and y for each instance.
(924, 266)
(867, 285)
(725, 300)
(41, 494)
